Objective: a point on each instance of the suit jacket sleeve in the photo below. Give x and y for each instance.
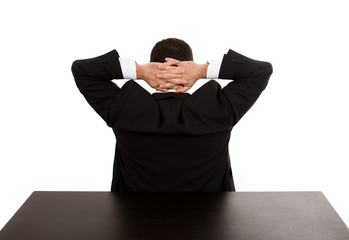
(93, 78)
(250, 77)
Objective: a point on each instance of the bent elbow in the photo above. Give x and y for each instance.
(264, 73)
(76, 68)
(268, 68)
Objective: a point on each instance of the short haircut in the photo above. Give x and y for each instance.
(171, 47)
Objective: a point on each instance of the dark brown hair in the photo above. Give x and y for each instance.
(171, 47)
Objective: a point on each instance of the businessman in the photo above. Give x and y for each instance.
(171, 140)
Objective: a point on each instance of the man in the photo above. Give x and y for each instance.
(171, 141)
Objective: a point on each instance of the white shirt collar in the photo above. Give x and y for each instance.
(170, 90)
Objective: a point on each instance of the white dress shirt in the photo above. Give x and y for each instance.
(128, 68)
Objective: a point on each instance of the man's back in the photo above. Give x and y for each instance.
(172, 141)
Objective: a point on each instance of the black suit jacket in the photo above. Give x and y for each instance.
(171, 141)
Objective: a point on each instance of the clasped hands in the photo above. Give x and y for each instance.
(172, 74)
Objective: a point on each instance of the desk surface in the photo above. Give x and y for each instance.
(165, 216)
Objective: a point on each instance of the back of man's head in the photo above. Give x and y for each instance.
(171, 47)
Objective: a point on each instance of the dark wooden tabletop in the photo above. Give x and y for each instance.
(165, 216)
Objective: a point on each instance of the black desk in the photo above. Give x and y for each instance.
(164, 216)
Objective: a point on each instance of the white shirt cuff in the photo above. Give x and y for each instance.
(128, 68)
(213, 69)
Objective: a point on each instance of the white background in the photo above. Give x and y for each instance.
(295, 138)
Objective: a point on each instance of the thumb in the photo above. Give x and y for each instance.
(181, 89)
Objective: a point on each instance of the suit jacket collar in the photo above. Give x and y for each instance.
(170, 95)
